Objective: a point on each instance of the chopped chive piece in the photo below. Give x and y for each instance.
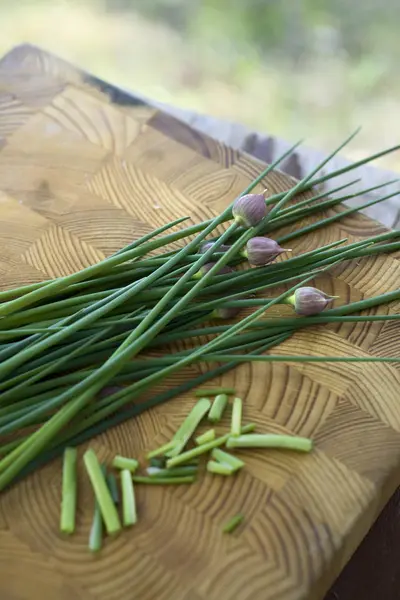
(214, 392)
(129, 515)
(158, 462)
(96, 530)
(69, 491)
(219, 468)
(217, 408)
(207, 436)
(162, 449)
(236, 416)
(227, 459)
(113, 487)
(189, 426)
(121, 462)
(190, 454)
(103, 496)
(270, 440)
(163, 480)
(233, 523)
(153, 472)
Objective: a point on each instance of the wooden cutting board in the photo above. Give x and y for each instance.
(84, 169)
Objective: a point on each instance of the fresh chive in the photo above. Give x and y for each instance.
(154, 472)
(113, 487)
(204, 393)
(226, 458)
(218, 407)
(101, 491)
(157, 462)
(236, 422)
(190, 454)
(129, 515)
(96, 530)
(233, 523)
(164, 480)
(161, 450)
(69, 491)
(270, 440)
(219, 468)
(207, 436)
(121, 462)
(189, 425)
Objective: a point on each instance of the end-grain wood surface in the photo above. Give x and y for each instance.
(84, 168)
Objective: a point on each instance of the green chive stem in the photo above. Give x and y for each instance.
(155, 472)
(270, 440)
(204, 393)
(218, 407)
(232, 524)
(207, 436)
(69, 491)
(219, 468)
(236, 422)
(101, 491)
(189, 425)
(226, 458)
(96, 530)
(161, 450)
(121, 462)
(164, 480)
(113, 487)
(129, 515)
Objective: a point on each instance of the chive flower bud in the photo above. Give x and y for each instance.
(261, 250)
(225, 313)
(207, 245)
(309, 301)
(205, 268)
(249, 210)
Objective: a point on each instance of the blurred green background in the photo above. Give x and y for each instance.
(293, 68)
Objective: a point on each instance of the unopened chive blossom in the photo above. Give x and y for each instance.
(260, 251)
(309, 301)
(219, 468)
(249, 210)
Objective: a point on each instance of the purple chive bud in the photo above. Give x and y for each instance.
(262, 250)
(225, 313)
(205, 268)
(309, 301)
(207, 245)
(249, 210)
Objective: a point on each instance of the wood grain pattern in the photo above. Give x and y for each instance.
(84, 168)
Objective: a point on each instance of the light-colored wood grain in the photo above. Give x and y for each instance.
(84, 168)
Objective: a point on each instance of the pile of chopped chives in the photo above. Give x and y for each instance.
(115, 506)
(88, 335)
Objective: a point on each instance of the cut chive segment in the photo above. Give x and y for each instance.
(101, 491)
(190, 454)
(129, 515)
(164, 480)
(236, 416)
(227, 459)
(96, 530)
(218, 468)
(113, 487)
(207, 436)
(162, 449)
(233, 523)
(218, 407)
(154, 472)
(122, 462)
(270, 440)
(214, 392)
(189, 426)
(158, 462)
(69, 491)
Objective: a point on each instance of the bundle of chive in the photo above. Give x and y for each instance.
(68, 350)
